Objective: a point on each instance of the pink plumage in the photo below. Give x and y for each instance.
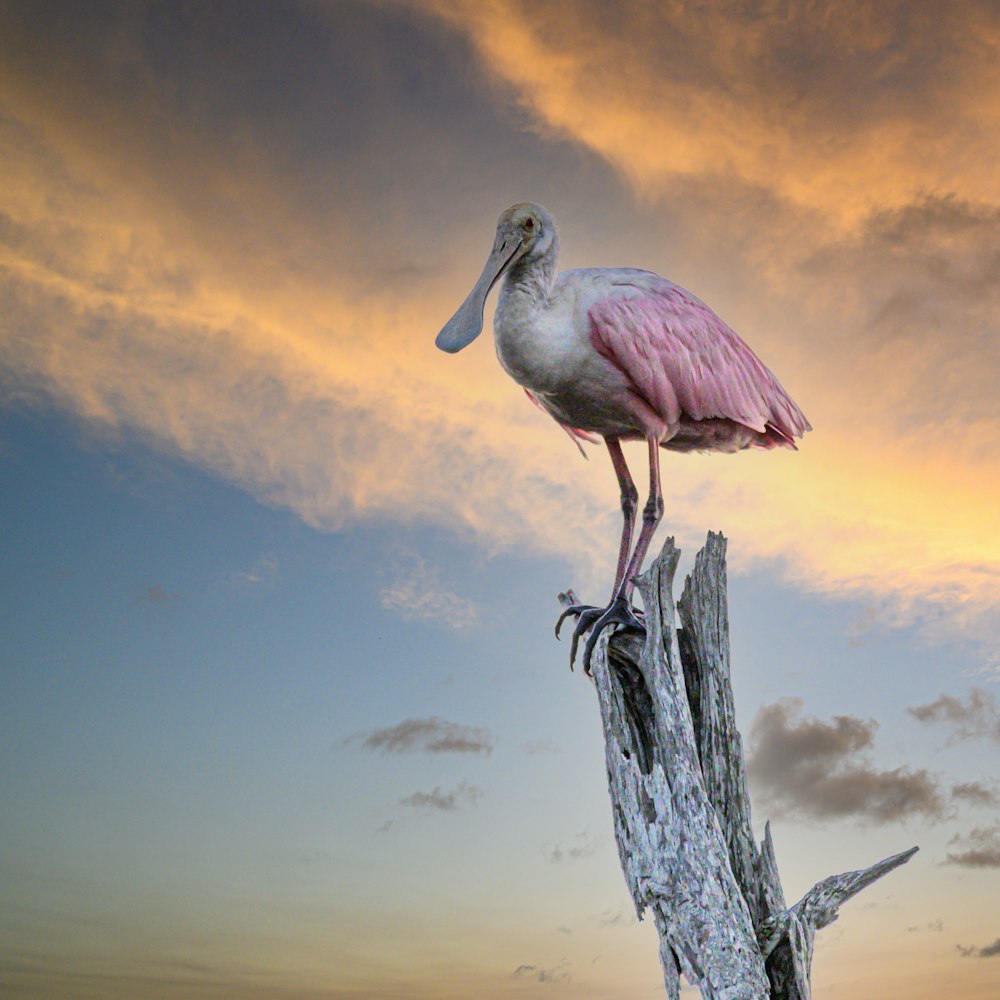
(688, 367)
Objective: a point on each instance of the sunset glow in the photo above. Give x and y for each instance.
(253, 517)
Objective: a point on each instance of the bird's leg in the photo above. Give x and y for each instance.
(619, 611)
(586, 614)
(630, 501)
(651, 515)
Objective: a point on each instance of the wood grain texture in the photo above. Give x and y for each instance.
(680, 801)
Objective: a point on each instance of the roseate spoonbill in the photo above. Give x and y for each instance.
(627, 355)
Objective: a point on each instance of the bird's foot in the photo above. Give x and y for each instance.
(587, 616)
(595, 621)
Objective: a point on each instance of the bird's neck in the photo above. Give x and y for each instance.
(533, 277)
(522, 334)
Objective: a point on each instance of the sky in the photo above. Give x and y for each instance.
(281, 712)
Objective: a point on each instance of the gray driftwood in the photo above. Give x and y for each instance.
(680, 804)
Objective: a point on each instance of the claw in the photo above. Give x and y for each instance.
(587, 616)
(573, 609)
(595, 621)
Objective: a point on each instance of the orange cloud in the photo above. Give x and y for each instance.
(201, 306)
(837, 108)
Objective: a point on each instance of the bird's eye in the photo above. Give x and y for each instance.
(529, 224)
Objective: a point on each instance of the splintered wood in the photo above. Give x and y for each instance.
(681, 808)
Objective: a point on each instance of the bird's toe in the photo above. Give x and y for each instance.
(586, 616)
(595, 620)
(620, 612)
(582, 611)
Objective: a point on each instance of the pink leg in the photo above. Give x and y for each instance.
(630, 500)
(620, 612)
(651, 515)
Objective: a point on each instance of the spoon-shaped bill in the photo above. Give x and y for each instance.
(467, 323)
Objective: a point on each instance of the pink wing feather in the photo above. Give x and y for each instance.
(685, 361)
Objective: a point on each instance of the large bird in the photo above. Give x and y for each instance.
(627, 355)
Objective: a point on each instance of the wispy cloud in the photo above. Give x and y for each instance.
(262, 571)
(937, 926)
(862, 626)
(818, 770)
(439, 800)
(980, 848)
(614, 918)
(157, 594)
(975, 793)
(986, 951)
(416, 592)
(582, 845)
(556, 974)
(976, 718)
(432, 735)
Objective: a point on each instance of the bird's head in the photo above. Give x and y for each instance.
(532, 226)
(525, 232)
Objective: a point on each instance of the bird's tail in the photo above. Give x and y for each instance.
(775, 437)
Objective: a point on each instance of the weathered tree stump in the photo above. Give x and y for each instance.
(681, 808)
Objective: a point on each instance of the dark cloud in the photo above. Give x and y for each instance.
(462, 795)
(434, 735)
(557, 974)
(987, 951)
(817, 770)
(975, 793)
(976, 718)
(980, 848)
(165, 78)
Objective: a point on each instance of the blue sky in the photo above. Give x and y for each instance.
(265, 549)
